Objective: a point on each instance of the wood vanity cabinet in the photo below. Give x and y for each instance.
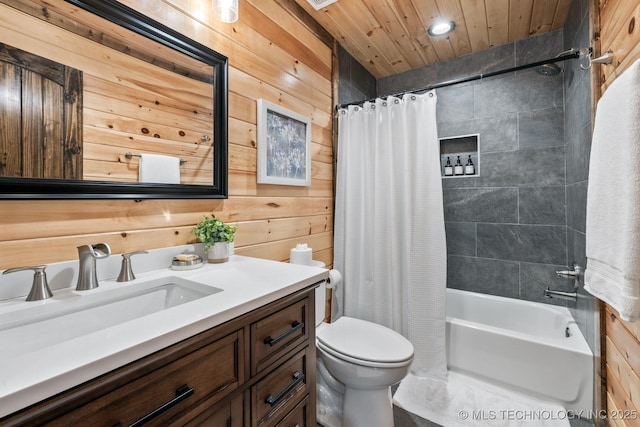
(257, 370)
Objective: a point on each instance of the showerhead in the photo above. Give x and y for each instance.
(548, 70)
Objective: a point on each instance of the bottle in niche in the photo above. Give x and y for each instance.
(448, 168)
(469, 169)
(458, 169)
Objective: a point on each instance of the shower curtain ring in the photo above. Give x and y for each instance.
(589, 62)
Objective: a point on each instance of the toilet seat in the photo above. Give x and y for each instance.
(364, 343)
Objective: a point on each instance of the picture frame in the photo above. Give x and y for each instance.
(284, 146)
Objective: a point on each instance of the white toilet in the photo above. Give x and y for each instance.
(358, 362)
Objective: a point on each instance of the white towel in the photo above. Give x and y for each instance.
(613, 198)
(155, 168)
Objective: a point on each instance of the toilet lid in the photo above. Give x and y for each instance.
(363, 340)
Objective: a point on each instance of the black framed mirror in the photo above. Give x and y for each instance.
(167, 94)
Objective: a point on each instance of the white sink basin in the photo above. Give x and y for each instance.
(75, 314)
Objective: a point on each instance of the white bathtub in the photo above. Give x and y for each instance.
(521, 345)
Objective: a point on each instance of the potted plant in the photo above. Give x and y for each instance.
(215, 236)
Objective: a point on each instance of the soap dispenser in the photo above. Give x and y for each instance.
(448, 168)
(469, 168)
(458, 169)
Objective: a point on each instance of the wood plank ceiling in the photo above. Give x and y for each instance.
(390, 36)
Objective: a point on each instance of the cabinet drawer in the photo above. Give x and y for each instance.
(210, 374)
(227, 413)
(281, 390)
(278, 333)
(297, 417)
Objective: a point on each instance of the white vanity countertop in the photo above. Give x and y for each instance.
(247, 284)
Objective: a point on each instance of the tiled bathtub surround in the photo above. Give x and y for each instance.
(506, 229)
(577, 124)
(510, 229)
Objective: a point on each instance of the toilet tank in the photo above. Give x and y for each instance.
(321, 295)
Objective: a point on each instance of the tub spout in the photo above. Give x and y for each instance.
(568, 296)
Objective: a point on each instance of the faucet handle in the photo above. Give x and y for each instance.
(576, 274)
(39, 288)
(126, 272)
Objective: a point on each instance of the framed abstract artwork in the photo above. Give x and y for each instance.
(284, 146)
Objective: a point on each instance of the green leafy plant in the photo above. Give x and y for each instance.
(211, 230)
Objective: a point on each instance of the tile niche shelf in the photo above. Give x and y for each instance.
(461, 146)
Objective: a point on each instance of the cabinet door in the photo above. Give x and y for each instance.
(206, 375)
(41, 116)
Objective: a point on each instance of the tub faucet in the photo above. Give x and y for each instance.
(568, 296)
(88, 254)
(576, 274)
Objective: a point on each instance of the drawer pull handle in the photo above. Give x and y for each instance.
(182, 393)
(294, 327)
(272, 400)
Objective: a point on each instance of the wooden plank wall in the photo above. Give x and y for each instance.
(620, 33)
(272, 55)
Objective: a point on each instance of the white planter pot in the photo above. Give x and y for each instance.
(231, 248)
(218, 253)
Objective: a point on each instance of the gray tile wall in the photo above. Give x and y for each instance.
(507, 228)
(577, 123)
(356, 83)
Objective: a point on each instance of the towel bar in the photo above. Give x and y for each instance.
(130, 155)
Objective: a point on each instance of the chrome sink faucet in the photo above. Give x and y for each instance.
(88, 254)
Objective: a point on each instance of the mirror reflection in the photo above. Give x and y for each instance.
(94, 101)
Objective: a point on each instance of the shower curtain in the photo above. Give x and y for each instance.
(389, 222)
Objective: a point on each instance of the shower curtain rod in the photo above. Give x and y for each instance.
(573, 54)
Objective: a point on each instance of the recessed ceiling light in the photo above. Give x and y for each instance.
(440, 28)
